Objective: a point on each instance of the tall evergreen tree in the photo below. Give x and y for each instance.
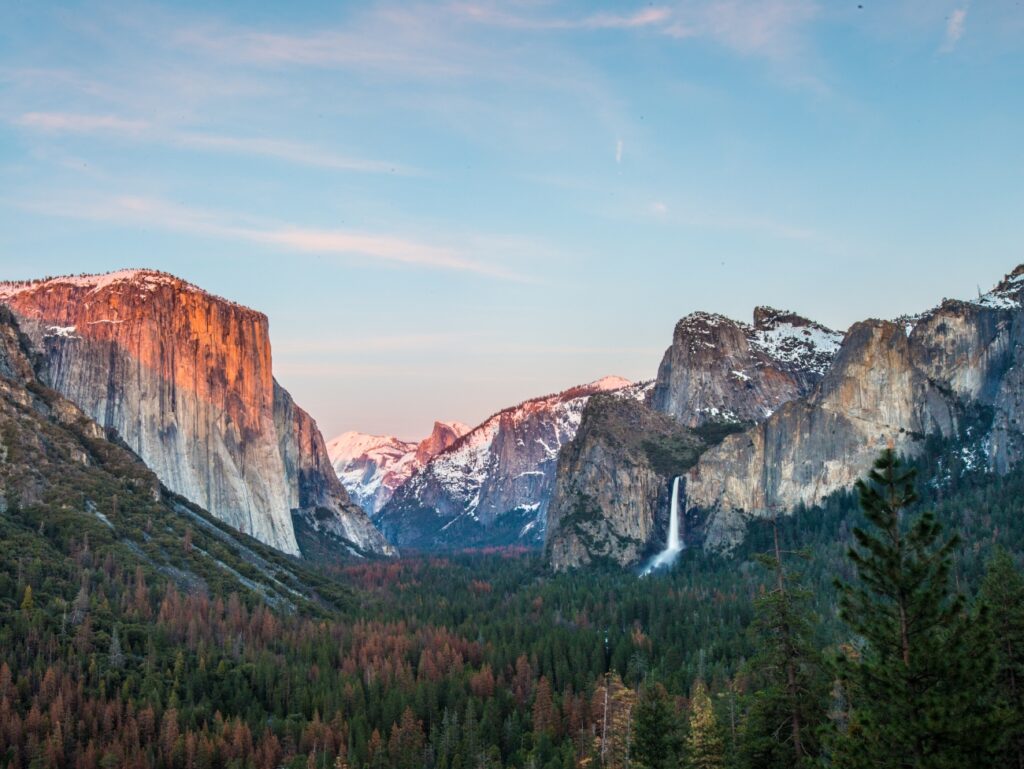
(913, 680)
(781, 725)
(1002, 597)
(657, 731)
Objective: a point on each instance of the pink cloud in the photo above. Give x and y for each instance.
(152, 212)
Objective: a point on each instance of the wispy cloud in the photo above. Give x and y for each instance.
(701, 215)
(413, 40)
(492, 16)
(763, 28)
(955, 27)
(293, 152)
(145, 131)
(618, 151)
(64, 122)
(156, 213)
(770, 29)
(378, 246)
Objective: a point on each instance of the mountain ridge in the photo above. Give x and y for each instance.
(492, 485)
(371, 467)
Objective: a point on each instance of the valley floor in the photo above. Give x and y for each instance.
(463, 660)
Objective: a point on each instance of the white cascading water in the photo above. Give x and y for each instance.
(675, 544)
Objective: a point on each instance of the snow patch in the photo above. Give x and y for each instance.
(64, 332)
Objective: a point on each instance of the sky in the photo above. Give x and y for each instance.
(446, 208)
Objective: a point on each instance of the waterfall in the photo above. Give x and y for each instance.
(673, 521)
(675, 544)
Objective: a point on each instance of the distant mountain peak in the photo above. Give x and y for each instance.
(493, 484)
(609, 383)
(371, 467)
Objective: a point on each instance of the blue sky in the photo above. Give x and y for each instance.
(448, 207)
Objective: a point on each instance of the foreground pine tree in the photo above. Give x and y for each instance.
(780, 729)
(917, 689)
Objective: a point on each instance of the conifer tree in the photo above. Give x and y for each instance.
(27, 602)
(657, 734)
(705, 748)
(1002, 597)
(915, 684)
(780, 729)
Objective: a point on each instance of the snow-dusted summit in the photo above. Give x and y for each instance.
(371, 467)
(722, 370)
(493, 485)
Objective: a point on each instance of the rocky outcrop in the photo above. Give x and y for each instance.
(718, 376)
(611, 493)
(371, 467)
(441, 437)
(808, 449)
(885, 388)
(718, 369)
(184, 378)
(493, 485)
(814, 414)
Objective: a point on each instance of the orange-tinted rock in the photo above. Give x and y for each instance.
(185, 379)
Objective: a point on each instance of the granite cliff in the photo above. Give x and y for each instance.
(807, 417)
(717, 377)
(610, 500)
(719, 369)
(184, 379)
(72, 492)
(948, 372)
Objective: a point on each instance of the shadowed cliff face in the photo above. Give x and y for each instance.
(821, 413)
(610, 500)
(185, 380)
(886, 386)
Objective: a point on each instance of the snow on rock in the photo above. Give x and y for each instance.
(140, 279)
(720, 369)
(502, 469)
(371, 467)
(794, 341)
(65, 332)
(1007, 294)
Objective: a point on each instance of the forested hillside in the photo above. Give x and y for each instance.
(110, 656)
